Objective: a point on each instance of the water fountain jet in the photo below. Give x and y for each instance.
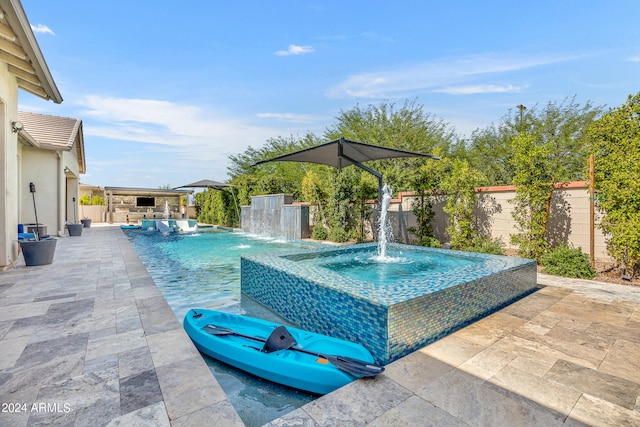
(166, 214)
(384, 229)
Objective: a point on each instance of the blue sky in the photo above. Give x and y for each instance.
(168, 90)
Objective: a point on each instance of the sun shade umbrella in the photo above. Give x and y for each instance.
(342, 153)
(208, 183)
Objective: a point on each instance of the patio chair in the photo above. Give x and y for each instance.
(184, 226)
(163, 226)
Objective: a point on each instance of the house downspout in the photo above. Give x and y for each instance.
(61, 196)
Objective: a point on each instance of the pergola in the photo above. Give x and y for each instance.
(111, 192)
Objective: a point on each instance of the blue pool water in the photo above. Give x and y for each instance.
(398, 265)
(203, 270)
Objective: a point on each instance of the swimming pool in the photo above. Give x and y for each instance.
(300, 281)
(203, 270)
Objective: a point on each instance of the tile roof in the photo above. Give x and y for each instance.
(52, 132)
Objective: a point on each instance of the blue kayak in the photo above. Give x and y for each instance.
(288, 356)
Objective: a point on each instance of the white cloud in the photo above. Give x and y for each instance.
(289, 117)
(187, 130)
(295, 50)
(435, 76)
(479, 89)
(43, 29)
(634, 59)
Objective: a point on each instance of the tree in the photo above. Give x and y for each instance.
(561, 125)
(216, 207)
(614, 140)
(460, 187)
(272, 177)
(315, 190)
(490, 151)
(408, 127)
(534, 187)
(86, 200)
(346, 211)
(425, 184)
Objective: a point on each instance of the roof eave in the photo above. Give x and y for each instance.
(79, 137)
(24, 135)
(16, 16)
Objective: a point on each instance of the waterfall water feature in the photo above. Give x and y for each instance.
(384, 228)
(165, 215)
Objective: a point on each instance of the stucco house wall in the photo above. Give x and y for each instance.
(8, 167)
(22, 66)
(39, 166)
(52, 158)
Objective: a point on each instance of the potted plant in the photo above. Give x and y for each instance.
(40, 249)
(75, 229)
(86, 222)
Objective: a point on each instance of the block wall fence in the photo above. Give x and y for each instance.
(568, 218)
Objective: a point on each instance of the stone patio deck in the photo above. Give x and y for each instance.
(89, 340)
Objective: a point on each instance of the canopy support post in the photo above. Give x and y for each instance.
(377, 174)
(235, 202)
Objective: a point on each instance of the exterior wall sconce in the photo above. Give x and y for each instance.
(17, 126)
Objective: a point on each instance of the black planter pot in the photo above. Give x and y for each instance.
(38, 252)
(86, 223)
(75, 229)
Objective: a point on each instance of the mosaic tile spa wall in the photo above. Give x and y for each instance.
(394, 320)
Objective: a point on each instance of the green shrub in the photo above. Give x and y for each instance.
(319, 232)
(338, 234)
(568, 262)
(486, 245)
(430, 242)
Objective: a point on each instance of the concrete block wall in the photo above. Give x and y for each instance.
(568, 219)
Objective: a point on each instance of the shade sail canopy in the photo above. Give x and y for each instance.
(342, 153)
(206, 183)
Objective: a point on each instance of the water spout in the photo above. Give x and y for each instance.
(384, 228)
(165, 215)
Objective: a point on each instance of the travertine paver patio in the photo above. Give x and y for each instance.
(91, 341)
(567, 355)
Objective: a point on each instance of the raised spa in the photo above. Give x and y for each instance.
(393, 307)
